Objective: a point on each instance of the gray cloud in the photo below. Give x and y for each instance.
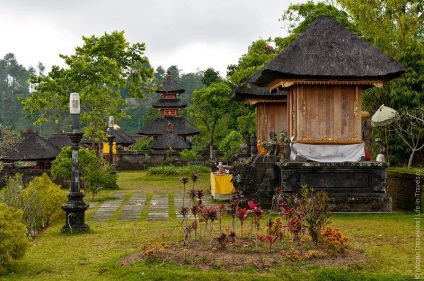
(172, 29)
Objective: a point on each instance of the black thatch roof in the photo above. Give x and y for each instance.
(60, 140)
(121, 137)
(32, 147)
(169, 140)
(169, 103)
(159, 126)
(170, 86)
(249, 90)
(328, 50)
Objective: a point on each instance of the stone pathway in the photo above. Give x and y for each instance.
(133, 207)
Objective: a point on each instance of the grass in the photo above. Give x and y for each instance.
(388, 240)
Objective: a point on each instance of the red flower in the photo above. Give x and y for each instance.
(252, 205)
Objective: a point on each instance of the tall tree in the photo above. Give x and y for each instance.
(209, 106)
(97, 71)
(13, 84)
(210, 76)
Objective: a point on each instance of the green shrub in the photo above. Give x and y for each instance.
(189, 155)
(172, 170)
(142, 143)
(62, 165)
(39, 201)
(47, 198)
(100, 177)
(231, 143)
(13, 240)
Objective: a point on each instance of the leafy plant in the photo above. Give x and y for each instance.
(189, 155)
(315, 208)
(13, 242)
(334, 241)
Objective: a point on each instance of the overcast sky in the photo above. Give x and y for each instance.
(192, 34)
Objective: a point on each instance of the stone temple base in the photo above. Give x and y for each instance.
(351, 186)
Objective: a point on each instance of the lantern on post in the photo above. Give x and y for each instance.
(111, 137)
(75, 207)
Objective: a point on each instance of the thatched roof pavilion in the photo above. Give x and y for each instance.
(31, 148)
(169, 140)
(159, 126)
(328, 50)
(60, 140)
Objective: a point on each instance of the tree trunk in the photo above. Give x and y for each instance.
(411, 158)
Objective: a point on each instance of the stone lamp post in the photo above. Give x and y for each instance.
(111, 137)
(75, 207)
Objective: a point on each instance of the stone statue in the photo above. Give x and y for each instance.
(253, 146)
(366, 129)
(272, 146)
(284, 137)
(381, 150)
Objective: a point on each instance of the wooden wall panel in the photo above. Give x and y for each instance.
(326, 112)
(271, 117)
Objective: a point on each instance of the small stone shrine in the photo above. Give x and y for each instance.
(323, 73)
(169, 130)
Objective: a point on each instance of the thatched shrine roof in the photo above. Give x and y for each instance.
(31, 148)
(159, 126)
(60, 140)
(170, 86)
(251, 91)
(169, 140)
(121, 137)
(327, 50)
(169, 103)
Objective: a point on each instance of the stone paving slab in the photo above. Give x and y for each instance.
(159, 208)
(108, 208)
(133, 208)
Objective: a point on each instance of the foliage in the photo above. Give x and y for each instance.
(397, 29)
(173, 170)
(210, 76)
(334, 241)
(410, 128)
(231, 143)
(94, 172)
(315, 207)
(209, 106)
(97, 71)
(13, 84)
(39, 201)
(47, 198)
(142, 143)
(100, 177)
(8, 138)
(189, 155)
(13, 242)
(62, 165)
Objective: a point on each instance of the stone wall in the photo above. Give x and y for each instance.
(139, 160)
(402, 188)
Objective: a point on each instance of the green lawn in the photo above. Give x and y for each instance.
(388, 240)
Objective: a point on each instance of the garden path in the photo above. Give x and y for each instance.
(129, 206)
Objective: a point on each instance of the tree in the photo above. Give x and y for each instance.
(13, 84)
(397, 29)
(210, 76)
(410, 128)
(97, 71)
(8, 138)
(209, 106)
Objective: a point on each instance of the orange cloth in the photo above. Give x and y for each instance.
(261, 150)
